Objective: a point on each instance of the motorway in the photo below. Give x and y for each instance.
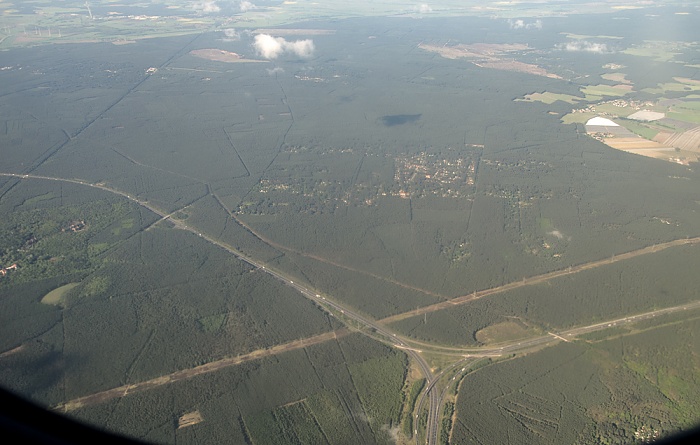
(537, 279)
(472, 355)
(466, 355)
(519, 346)
(332, 307)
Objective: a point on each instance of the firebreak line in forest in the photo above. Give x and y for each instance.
(122, 391)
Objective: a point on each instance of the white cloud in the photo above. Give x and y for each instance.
(516, 24)
(275, 70)
(231, 34)
(302, 48)
(423, 9)
(520, 24)
(247, 6)
(584, 46)
(205, 6)
(270, 47)
(267, 46)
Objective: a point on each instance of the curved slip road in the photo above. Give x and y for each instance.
(326, 304)
(332, 307)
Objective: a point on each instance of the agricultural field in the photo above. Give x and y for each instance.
(44, 22)
(667, 128)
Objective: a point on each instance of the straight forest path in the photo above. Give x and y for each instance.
(344, 312)
(538, 279)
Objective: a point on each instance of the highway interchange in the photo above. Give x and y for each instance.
(464, 357)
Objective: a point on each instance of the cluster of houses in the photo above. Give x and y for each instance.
(75, 226)
(5, 270)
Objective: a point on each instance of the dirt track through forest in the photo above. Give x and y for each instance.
(537, 280)
(121, 391)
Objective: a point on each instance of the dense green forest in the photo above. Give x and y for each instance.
(218, 239)
(641, 284)
(622, 390)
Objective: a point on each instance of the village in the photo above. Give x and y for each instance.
(449, 174)
(434, 174)
(619, 103)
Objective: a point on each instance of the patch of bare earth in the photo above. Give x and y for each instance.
(500, 332)
(476, 50)
(519, 67)
(490, 55)
(189, 419)
(12, 351)
(688, 140)
(624, 143)
(219, 55)
(624, 87)
(616, 77)
(295, 32)
(679, 148)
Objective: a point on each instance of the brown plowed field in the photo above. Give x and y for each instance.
(688, 140)
(634, 143)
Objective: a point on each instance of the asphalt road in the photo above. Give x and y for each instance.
(344, 313)
(473, 354)
(329, 305)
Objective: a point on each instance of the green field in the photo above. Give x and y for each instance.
(57, 297)
(596, 92)
(667, 87)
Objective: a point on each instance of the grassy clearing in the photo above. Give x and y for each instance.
(211, 323)
(549, 98)
(504, 331)
(577, 118)
(687, 112)
(616, 77)
(124, 224)
(597, 92)
(640, 129)
(690, 106)
(658, 52)
(57, 297)
(96, 286)
(672, 86)
(615, 110)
